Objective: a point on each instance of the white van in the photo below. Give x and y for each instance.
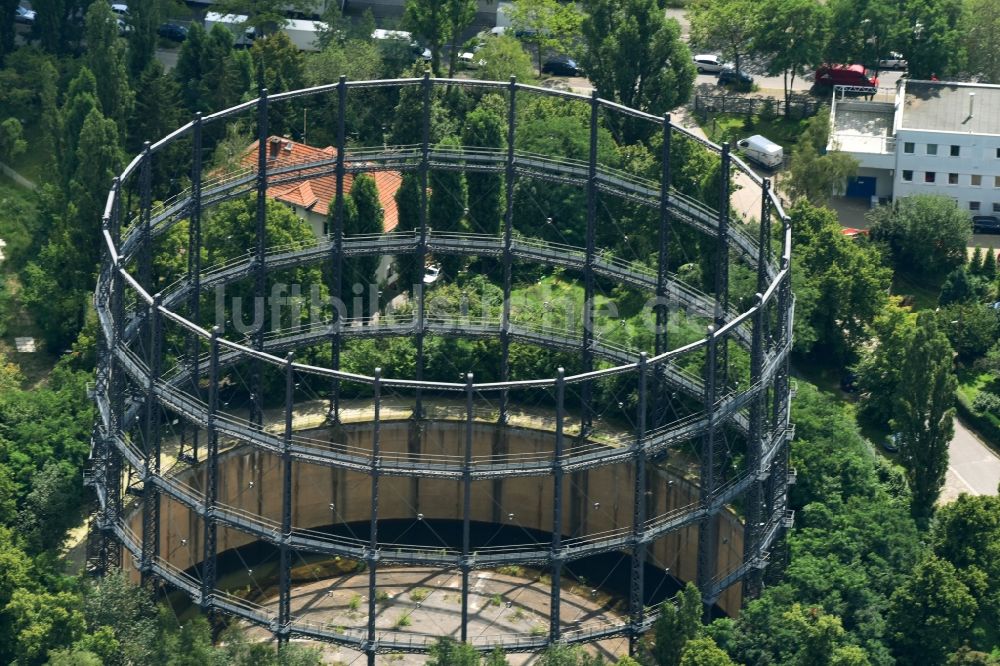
(762, 151)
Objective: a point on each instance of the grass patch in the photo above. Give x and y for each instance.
(382, 597)
(917, 295)
(355, 602)
(495, 600)
(420, 594)
(403, 621)
(971, 381)
(726, 126)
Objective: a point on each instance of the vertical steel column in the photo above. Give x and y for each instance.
(371, 556)
(194, 274)
(556, 555)
(285, 572)
(508, 239)
(755, 446)
(260, 269)
(765, 235)
(151, 448)
(662, 341)
(145, 218)
(467, 505)
(637, 595)
(111, 553)
(707, 527)
(722, 267)
(337, 251)
(208, 570)
(418, 409)
(587, 351)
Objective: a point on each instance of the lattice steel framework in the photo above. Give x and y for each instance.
(138, 386)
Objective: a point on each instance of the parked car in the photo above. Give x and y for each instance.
(432, 273)
(561, 66)
(123, 26)
(119, 8)
(985, 224)
(22, 15)
(728, 76)
(172, 31)
(708, 64)
(762, 150)
(892, 60)
(845, 75)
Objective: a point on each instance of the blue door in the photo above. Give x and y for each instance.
(862, 186)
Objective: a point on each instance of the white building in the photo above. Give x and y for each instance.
(934, 137)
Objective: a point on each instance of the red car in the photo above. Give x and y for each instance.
(845, 75)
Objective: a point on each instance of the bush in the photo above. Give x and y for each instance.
(987, 403)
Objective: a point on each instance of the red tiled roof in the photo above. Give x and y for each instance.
(317, 194)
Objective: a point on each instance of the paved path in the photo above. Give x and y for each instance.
(973, 467)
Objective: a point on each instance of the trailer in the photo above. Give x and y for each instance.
(304, 34)
(235, 23)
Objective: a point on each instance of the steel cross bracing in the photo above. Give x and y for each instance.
(136, 377)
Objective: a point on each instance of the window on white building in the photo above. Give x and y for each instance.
(973, 205)
(975, 180)
(996, 207)
(930, 176)
(955, 151)
(953, 179)
(908, 148)
(996, 181)
(907, 175)
(932, 149)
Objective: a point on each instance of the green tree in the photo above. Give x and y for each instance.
(7, 33)
(74, 657)
(989, 269)
(548, 24)
(363, 215)
(792, 35)
(881, 364)
(16, 573)
(730, 26)
(51, 507)
(449, 652)
(188, 70)
(128, 612)
(503, 57)
(57, 25)
(841, 285)
(144, 18)
(929, 35)
(958, 287)
(81, 99)
(459, 15)
(408, 202)
(429, 19)
(157, 113)
(635, 56)
(926, 234)
(447, 205)
(815, 174)
(923, 413)
(930, 613)
(975, 265)
(12, 141)
(677, 625)
(486, 127)
(704, 652)
(972, 328)
(43, 621)
(980, 24)
(863, 30)
(495, 658)
(107, 55)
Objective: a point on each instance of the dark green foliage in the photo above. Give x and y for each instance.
(145, 18)
(486, 127)
(363, 214)
(923, 413)
(959, 286)
(840, 285)
(635, 56)
(448, 652)
(929, 613)
(677, 625)
(408, 202)
(926, 234)
(989, 269)
(972, 328)
(107, 57)
(446, 209)
(704, 652)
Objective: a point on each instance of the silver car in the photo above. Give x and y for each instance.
(708, 64)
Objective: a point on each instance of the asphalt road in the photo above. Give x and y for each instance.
(973, 467)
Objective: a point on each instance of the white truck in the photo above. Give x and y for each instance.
(236, 23)
(304, 33)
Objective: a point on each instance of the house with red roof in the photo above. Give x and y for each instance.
(313, 198)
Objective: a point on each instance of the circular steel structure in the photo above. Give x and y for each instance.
(143, 389)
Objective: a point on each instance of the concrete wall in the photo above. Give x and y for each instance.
(977, 157)
(595, 500)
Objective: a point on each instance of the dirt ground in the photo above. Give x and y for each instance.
(426, 602)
